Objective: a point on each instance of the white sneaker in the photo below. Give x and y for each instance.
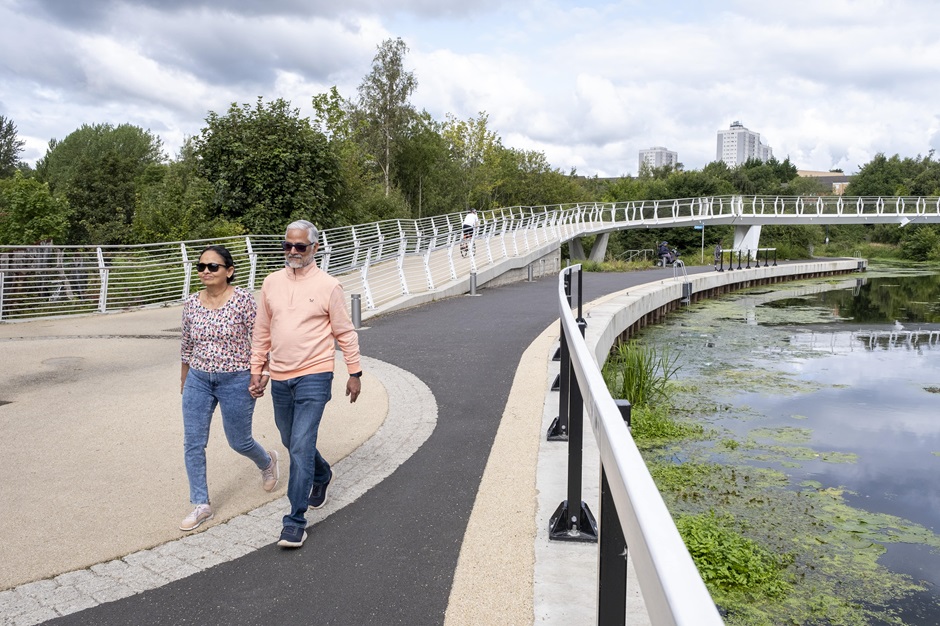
(202, 513)
(270, 474)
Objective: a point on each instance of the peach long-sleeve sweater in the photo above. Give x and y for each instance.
(300, 313)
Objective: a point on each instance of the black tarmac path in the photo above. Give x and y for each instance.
(390, 556)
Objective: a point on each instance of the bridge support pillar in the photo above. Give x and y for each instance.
(747, 237)
(598, 250)
(576, 250)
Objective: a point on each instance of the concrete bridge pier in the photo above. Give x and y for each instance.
(598, 250)
(746, 237)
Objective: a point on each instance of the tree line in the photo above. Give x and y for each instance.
(369, 157)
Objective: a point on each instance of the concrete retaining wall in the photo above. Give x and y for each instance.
(619, 316)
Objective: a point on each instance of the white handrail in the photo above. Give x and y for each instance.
(673, 590)
(47, 280)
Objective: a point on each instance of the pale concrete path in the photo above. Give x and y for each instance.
(94, 437)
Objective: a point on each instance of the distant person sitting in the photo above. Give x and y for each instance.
(664, 253)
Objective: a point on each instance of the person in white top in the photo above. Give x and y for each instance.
(469, 223)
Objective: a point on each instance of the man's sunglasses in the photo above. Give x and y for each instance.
(212, 267)
(300, 247)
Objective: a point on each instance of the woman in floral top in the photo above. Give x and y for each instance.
(215, 354)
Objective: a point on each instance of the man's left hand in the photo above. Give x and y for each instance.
(353, 387)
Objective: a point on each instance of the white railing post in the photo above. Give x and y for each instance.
(327, 249)
(103, 277)
(427, 268)
(364, 273)
(1, 294)
(252, 264)
(187, 271)
(450, 259)
(402, 248)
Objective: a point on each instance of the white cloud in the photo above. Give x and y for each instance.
(829, 83)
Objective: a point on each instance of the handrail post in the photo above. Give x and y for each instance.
(103, 279)
(573, 520)
(558, 431)
(612, 551)
(253, 264)
(187, 271)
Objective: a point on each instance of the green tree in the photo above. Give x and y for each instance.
(359, 194)
(10, 147)
(178, 205)
(98, 169)
(268, 166)
(383, 99)
(29, 213)
(424, 171)
(921, 242)
(894, 176)
(474, 149)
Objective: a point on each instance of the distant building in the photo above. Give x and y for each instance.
(738, 144)
(837, 180)
(658, 156)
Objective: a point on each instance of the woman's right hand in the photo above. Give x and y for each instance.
(184, 372)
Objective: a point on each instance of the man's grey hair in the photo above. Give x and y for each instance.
(312, 234)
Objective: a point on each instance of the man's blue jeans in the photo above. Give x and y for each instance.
(298, 408)
(202, 392)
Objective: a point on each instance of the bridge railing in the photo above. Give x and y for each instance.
(391, 258)
(633, 514)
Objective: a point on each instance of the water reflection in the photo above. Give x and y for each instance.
(865, 355)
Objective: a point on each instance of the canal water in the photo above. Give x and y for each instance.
(836, 384)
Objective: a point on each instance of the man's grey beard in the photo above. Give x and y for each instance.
(296, 264)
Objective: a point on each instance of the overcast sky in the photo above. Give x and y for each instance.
(829, 83)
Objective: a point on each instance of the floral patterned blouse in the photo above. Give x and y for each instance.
(218, 340)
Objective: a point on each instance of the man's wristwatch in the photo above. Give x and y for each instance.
(356, 375)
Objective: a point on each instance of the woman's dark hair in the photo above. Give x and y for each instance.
(226, 256)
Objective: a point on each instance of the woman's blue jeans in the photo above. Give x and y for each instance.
(201, 393)
(298, 408)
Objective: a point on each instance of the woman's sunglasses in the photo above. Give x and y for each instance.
(212, 267)
(300, 247)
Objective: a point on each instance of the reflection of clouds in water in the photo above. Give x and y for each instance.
(846, 418)
(905, 368)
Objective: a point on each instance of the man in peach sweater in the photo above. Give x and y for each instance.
(301, 317)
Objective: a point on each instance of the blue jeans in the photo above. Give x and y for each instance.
(298, 407)
(201, 393)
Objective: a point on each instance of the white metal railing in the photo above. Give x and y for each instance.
(393, 258)
(673, 590)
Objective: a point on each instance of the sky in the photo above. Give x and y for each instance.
(589, 83)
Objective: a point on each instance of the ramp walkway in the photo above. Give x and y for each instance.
(433, 517)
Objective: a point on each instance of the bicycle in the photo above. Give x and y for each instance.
(466, 245)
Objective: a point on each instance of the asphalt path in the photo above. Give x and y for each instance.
(389, 557)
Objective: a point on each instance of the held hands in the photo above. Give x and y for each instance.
(257, 385)
(353, 387)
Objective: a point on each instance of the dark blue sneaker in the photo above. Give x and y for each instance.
(292, 537)
(318, 494)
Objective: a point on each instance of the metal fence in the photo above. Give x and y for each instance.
(392, 258)
(631, 509)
